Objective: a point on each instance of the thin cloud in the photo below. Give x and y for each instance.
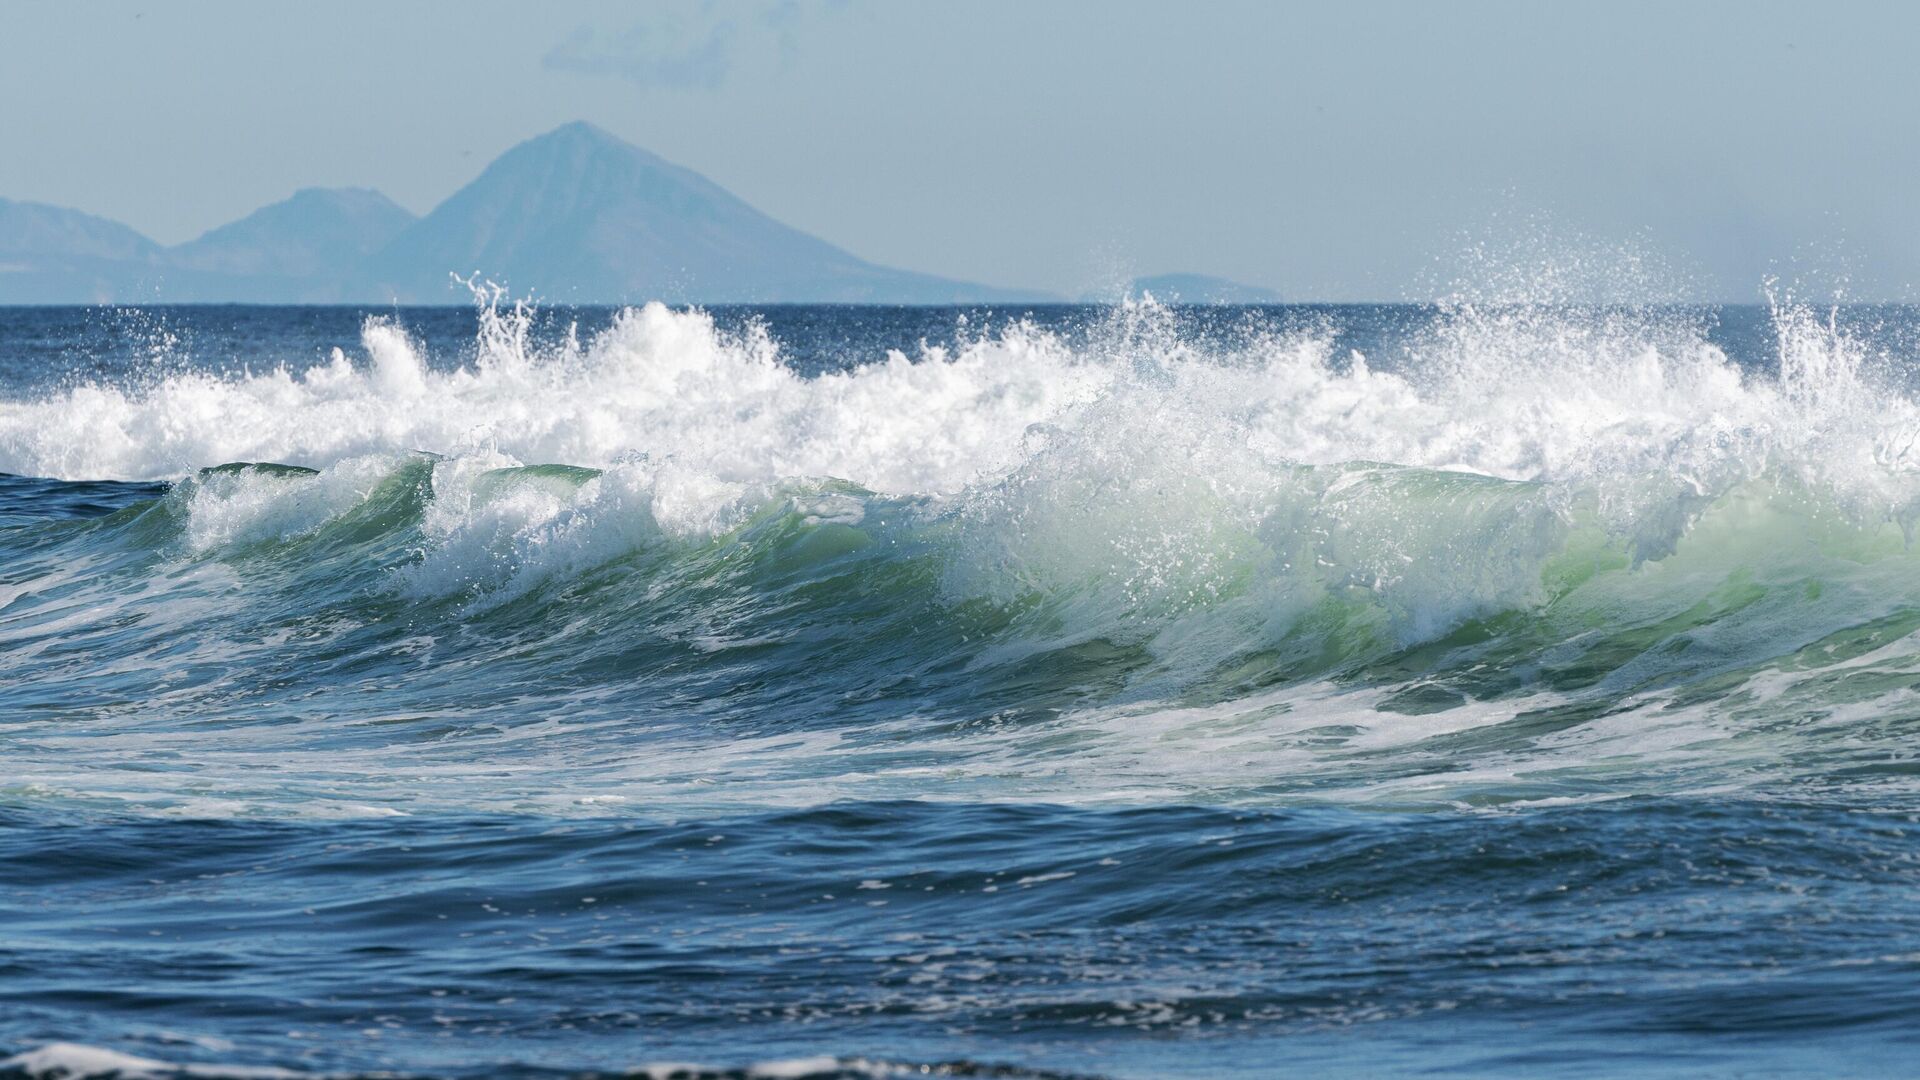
(658, 53)
(681, 46)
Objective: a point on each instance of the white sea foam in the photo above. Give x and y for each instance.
(521, 530)
(1641, 405)
(657, 382)
(76, 1061)
(245, 506)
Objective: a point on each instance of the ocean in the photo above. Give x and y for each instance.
(1494, 690)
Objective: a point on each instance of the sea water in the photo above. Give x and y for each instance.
(1478, 689)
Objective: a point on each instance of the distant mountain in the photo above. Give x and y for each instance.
(1201, 289)
(574, 216)
(579, 216)
(28, 229)
(53, 255)
(315, 234)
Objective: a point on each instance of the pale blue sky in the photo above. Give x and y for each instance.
(1331, 151)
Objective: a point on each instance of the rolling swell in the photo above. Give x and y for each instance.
(1242, 570)
(1078, 942)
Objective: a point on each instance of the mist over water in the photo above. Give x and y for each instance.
(1116, 691)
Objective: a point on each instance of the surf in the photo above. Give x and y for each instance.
(1537, 541)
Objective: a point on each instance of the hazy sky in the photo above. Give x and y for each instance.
(1329, 150)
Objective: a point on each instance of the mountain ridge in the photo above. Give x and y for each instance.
(574, 215)
(299, 236)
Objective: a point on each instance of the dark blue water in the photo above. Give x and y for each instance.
(852, 692)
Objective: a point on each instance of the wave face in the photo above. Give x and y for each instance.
(943, 617)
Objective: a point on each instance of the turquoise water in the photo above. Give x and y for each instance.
(1124, 692)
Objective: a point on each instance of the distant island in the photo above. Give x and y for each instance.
(1192, 289)
(573, 216)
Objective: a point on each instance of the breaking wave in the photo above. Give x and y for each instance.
(1543, 542)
